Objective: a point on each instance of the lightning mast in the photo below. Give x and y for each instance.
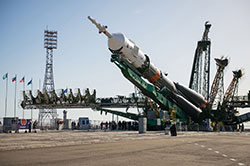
(50, 43)
(200, 75)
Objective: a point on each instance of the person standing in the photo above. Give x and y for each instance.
(30, 123)
(173, 130)
(242, 128)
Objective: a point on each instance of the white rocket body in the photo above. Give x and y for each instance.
(137, 58)
(129, 50)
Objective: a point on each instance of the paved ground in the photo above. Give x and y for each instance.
(124, 148)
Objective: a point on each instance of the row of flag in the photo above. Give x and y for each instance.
(5, 76)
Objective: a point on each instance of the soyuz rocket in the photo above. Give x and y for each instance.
(187, 99)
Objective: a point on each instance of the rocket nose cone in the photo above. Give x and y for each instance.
(116, 41)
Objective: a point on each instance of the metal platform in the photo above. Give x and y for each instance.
(65, 103)
(239, 102)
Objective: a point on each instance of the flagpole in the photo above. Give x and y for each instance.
(15, 97)
(24, 84)
(24, 91)
(32, 92)
(6, 96)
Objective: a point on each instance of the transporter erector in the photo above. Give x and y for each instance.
(187, 99)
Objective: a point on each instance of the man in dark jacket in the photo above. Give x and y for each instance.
(173, 130)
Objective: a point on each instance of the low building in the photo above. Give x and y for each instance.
(84, 123)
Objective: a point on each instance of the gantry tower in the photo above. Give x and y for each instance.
(50, 43)
(200, 75)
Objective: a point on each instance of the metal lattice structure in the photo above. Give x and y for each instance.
(50, 43)
(232, 89)
(217, 89)
(200, 75)
(225, 112)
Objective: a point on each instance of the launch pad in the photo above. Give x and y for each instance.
(160, 94)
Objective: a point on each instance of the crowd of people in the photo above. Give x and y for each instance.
(108, 125)
(121, 125)
(75, 126)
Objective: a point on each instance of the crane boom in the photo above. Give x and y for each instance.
(218, 80)
(232, 88)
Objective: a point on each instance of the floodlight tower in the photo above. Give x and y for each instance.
(50, 43)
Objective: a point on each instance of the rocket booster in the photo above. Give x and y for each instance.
(187, 99)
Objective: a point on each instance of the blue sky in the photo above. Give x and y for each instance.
(167, 31)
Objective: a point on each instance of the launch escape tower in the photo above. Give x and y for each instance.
(50, 43)
(200, 75)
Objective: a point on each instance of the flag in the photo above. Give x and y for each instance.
(22, 80)
(30, 82)
(65, 91)
(5, 76)
(14, 79)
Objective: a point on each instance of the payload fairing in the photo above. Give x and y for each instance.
(188, 100)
